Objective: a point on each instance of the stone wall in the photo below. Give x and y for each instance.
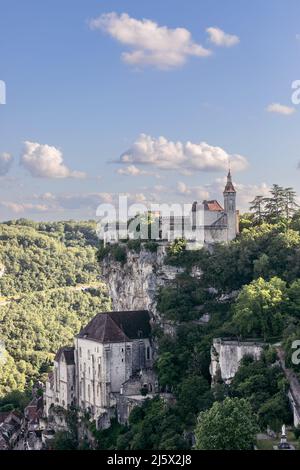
(226, 357)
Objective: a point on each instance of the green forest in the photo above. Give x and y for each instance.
(50, 286)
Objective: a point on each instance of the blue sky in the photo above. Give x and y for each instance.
(81, 105)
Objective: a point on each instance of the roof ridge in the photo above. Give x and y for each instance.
(116, 326)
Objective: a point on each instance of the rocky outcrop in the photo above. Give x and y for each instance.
(226, 357)
(134, 285)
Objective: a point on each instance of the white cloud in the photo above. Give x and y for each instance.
(193, 192)
(183, 157)
(6, 161)
(45, 161)
(220, 38)
(20, 208)
(151, 44)
(131, 170)
(281, 109)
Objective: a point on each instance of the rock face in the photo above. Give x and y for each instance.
(134, 284)
(2, 269)
(227, 355)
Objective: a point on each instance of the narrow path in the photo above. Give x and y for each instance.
(78, 287)
(291, 377)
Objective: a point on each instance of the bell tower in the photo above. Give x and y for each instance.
(230, 208)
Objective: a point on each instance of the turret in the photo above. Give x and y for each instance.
(230, 208)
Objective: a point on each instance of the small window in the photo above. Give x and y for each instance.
(80, 352)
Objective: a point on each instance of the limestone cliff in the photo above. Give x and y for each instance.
(134, 285)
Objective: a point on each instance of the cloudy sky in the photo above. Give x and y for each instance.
(150, 99)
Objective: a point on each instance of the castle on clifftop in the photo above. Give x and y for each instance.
(203, 224)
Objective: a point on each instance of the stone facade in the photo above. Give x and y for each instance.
(60, 386)
(111, 350)
(201, 224)
(226, 356)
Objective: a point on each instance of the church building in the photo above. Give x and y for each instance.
(113, 349)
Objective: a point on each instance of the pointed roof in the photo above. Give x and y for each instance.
(117, 327)
(229, 188)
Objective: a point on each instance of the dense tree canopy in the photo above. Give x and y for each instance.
(227, 425)
(50, 288)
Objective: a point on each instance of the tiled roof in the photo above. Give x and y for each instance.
(116, 327)
(212, 206)
(229, 188)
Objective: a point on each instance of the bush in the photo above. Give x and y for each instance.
(134, 245)
(119, 254)
(151, 246)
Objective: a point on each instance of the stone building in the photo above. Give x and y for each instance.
(108, 353)
(207, 223)
(201, 224)
(60, 387)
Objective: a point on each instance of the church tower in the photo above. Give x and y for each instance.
(230, 208)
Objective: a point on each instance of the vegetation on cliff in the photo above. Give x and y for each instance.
(50, 288)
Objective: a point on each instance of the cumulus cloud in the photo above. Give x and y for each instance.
(20, 208)
(131, 170)
(6, 161)
(220, 38)
(183, 157)
(45, 161)
(193, 192)
(281, 109)
(150, 43)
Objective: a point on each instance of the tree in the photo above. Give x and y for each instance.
(275, 411)
(280, 205)
(290, 205)
(257, 208)
(168, 369)
(193, 395)
(275, 205)
(64, 440)
(227, 425)
(259, 308)
(264, 385)
(293, 301)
